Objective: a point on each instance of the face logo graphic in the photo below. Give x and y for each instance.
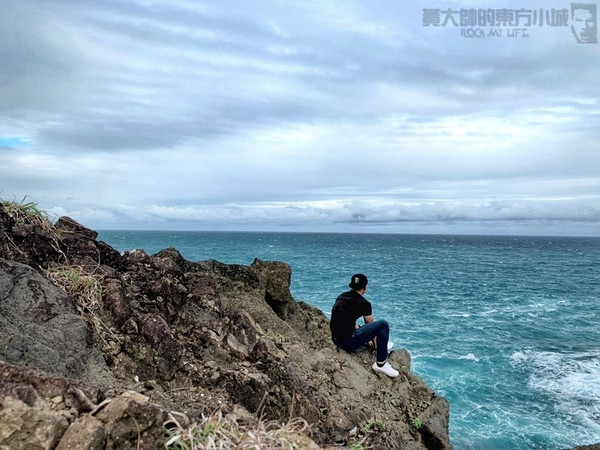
(584, 22)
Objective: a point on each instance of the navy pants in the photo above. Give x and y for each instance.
(377, 329)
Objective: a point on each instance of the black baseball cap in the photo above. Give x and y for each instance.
(358, 281)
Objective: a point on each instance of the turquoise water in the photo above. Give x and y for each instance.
(505, 327)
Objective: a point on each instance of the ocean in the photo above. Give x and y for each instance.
(505, 327)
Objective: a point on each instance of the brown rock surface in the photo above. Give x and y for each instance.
(28, 427)
(85, 433)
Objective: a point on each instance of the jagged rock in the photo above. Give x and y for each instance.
(131, 421)
(167, 350)
(54, 416)
(113, 299)
(85, 433)
(29, 385)
(277, 276)
(67, 226)
(28, 427)
(40, 327)
(174, 255)
(200, 288)
(435, 424)
(25, 393)
(31, 243)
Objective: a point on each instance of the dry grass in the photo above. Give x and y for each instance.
(86, 290)
(83, 287)
(28, 213)
(224, 432)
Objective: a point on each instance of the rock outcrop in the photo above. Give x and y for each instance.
(167, 334)
(39, 325)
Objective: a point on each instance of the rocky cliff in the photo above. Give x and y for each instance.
(100, 349)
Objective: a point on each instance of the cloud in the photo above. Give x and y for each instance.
(497, 217)
(263, 112)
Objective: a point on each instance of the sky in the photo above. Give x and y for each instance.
(336, 116)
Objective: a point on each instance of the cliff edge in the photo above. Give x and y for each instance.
(100, 349)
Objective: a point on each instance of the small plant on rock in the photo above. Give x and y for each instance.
(372, 426)
(356, 446)
(416, 423)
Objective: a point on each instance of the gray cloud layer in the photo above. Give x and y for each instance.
(305, 115)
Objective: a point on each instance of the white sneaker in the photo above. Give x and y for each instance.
(386, 369)
(390, 345)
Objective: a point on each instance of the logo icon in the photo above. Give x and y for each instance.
(584, 23)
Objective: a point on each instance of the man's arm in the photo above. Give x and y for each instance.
(367, 319)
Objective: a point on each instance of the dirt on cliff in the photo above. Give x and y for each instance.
(100, 349)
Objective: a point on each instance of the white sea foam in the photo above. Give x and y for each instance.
(465, 315)
(572, 375)
(571, 379)
(517, 358)
(467, 357)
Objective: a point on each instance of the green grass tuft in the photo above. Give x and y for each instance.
(416, 423)
(27, 213)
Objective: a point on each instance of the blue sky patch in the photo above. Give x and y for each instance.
(13, 142)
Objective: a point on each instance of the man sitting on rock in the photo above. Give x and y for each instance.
(348, 335)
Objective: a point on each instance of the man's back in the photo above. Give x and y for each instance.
(347, 308)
